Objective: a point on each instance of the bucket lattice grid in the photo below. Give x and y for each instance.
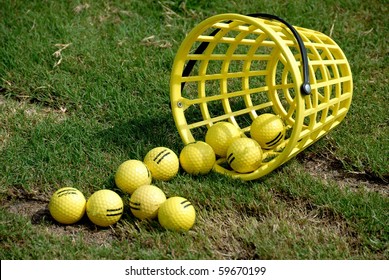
(233, 67)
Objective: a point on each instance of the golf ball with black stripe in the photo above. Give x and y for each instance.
(177, 213)
(220, 135)
(162, 162)
(145, 201)
(268, 130)
(67, 205)
(244, 155)
(104, 208)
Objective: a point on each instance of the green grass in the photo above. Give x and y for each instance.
(108, 101)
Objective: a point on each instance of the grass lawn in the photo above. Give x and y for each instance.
(84, 86)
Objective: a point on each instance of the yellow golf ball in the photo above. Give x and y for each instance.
(244, 155)
(220, 135)
(145, 201)
(67, 205)
(162, 162)
(197, 158)
(104, 208)
(268, 130)
(132, 174)
(177, 213)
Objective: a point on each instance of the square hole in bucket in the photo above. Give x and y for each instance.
(320, 116)
(244, 121)
(212, 87)
(330, 112)
(236, 104)
(319, 74)
(259, 65)
(320, 91)
(215, 108)
(199, 133)
(221, 48)
(261, 102)
(242, 49)
(257, 82)
(190, 90)
(295, 51)
(234, 84)
(214, 67)
(333, 91)
(265, 47)
(283, 76)
(193, 114)
(235, 66)
(307, 120)
(331, 70)
(284, 104)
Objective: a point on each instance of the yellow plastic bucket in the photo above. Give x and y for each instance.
(234, 67)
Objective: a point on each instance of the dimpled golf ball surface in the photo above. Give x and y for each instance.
(67, 205)
(162, 162)
(197, 158)
(268, 130)
(145, 201)
(244, 155)
(220, 135)
(104, 208)
(177, 213)
(132, 174)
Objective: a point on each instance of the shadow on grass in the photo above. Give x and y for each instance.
(40, 215)
(140, 134)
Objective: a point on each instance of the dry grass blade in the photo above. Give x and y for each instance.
(152, 41)
(58, 53)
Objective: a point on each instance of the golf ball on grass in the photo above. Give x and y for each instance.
(132, 174)
(177, 213)
(197, 158)
(104, 208)
(244, 155)
(162, 162)
(268, 130)
(67, 205)
(220, 135)
(145, 201)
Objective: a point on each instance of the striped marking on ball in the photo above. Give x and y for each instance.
(148, 171)
(67, 192)
(114, 212)
(134, 205)
(161, 156)
(275, 140)
(230, 158)
(186, 203)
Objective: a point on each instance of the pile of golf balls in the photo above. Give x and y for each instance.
(245, 154)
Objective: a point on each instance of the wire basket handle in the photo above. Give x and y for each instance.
(305, 87)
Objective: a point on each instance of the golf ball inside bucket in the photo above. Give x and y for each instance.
(268, 130)
(220, 135)
(67, 205)
(244, 155)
